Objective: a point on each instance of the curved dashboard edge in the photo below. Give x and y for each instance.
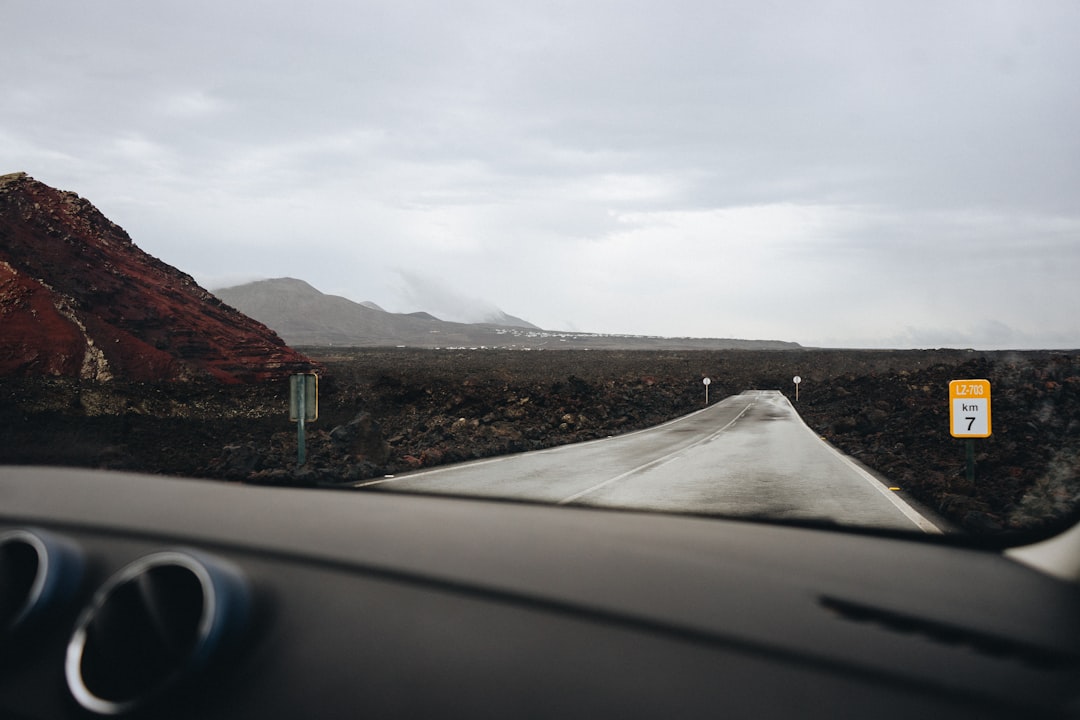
(764, 595)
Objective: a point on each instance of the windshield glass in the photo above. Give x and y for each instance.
(805, 263)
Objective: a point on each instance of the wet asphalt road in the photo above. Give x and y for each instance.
(748, 455)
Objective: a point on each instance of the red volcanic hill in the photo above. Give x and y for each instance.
(78, 298)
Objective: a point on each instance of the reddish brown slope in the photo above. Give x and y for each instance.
(78, 298)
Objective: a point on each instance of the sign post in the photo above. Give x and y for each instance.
(969, 415)
(303, 408)
(797, 380)
(707, 382)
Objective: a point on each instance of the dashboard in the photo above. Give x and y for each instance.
(144, 596)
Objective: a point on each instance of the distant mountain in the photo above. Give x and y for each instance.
(79, 299)
(304, 316)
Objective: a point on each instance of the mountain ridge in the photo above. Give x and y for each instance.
(304, 316)
(78, 298)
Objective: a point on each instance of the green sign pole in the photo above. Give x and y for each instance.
(970, 460)
(303, 406)
(301, 413)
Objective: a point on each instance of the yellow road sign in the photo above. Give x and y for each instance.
(969, 408)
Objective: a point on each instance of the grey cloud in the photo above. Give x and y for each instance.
(472, 137)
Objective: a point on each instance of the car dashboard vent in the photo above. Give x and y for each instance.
(153, 626)
(39, 572)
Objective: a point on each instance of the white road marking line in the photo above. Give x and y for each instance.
(656, 461)
(909, 512)
(502, 458)
(434, 471)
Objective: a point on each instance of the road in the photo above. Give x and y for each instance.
(748, 455)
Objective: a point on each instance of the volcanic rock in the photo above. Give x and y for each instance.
(79, 299)
(362, 438)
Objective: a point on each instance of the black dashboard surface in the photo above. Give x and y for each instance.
(385, 605)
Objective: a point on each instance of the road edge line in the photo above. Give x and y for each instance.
(920, 520)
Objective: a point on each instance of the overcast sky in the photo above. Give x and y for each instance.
(856, 174)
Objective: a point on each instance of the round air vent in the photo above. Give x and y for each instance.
(38, 572)
(153, 626)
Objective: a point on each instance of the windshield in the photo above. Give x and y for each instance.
(806, 263)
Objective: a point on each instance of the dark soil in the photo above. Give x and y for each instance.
(386, 411)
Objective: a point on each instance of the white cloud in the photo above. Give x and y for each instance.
(190, 104)
(432, 294)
